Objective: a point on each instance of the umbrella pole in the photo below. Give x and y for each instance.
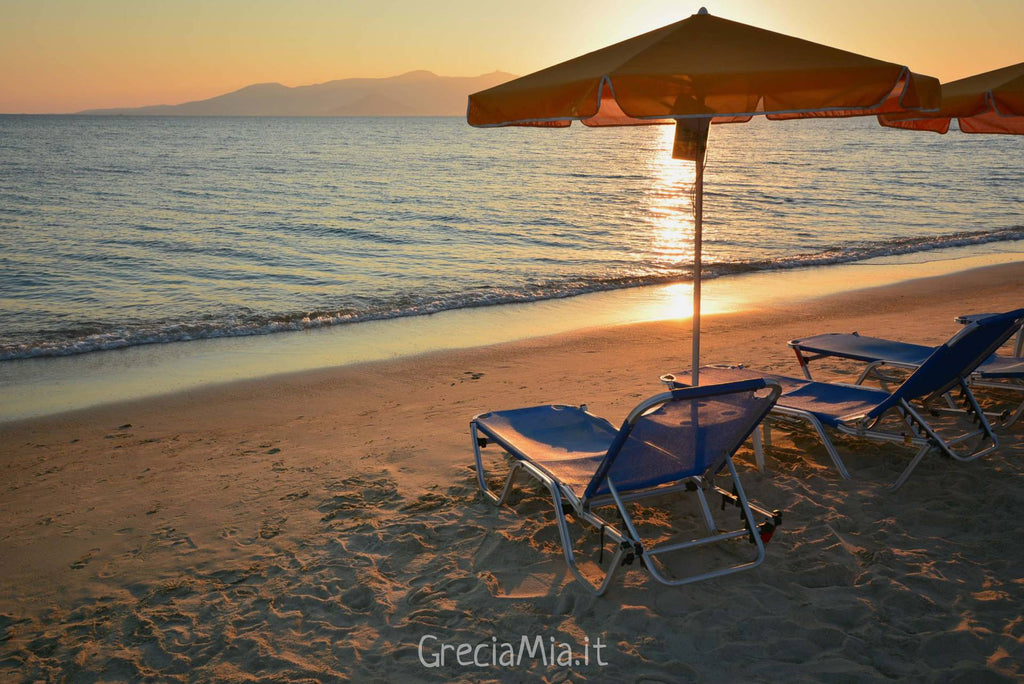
(698, 220)
(691, 143)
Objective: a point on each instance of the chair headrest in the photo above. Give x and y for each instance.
(682, 433)
(957, 358)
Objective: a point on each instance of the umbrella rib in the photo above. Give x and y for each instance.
(991, 99)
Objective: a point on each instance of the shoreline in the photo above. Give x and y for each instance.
(317, 525)
(48, 386)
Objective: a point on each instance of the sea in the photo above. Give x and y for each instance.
(120, 232)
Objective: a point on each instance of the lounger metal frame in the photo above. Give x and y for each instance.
(628, 542)
(978, 379)
(876, 369)
(919, 433)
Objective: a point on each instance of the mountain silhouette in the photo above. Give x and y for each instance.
(417, 93)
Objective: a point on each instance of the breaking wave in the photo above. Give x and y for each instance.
(99, 337)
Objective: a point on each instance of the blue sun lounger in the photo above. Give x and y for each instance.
(870, 413)
(996, 372)
(675, 442)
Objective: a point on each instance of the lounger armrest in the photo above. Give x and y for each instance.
(854, 418)
(751, 385)
(854, 385)
(699, 392)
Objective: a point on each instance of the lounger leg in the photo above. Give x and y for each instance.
(1008, 417)
(745, 508)
(709, 520)
(910, 468)
(1015, 416)
(750, 532)
(560, 520)
(1011, 417)
(825, 441)
(480, 479)
(746, 534)
(864, 375)
(984, 431)
(833, 454)
(919, 425)
(496, 499)
(983, 423)
(758, 450)
(876, 370)
(804, 363)
(570, 557)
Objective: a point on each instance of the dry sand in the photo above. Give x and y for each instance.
(315, 527)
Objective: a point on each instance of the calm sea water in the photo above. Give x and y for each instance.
(122, 231)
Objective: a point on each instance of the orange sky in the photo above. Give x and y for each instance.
(69, 55)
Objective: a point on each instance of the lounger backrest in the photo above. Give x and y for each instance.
(682, 433)
(956, 359)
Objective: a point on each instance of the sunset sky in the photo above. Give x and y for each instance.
(69, 55)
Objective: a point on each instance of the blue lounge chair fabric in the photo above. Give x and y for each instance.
(860, 411)
(1010, 368)
(861, 348)
(1018, 345)
(565, 442)
(673, 442)
(879, 353)
(833, 404)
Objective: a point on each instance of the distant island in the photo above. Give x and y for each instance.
(417, 93)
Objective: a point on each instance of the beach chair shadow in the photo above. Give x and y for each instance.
(674, 443)
(881, 356)
(908, 414)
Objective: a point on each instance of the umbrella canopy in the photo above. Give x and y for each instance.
(704, 66)
(699, 71)
(992, 102)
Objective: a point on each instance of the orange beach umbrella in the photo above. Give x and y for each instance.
(992, 102)
(699, 71)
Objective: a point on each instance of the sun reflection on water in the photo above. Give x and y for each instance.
(670, 207)
(676, 302)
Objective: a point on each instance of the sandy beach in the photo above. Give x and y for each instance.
(319, 526)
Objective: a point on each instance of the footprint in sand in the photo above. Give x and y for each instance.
(231, 533)
(84, 560)
(359, 496)
(426, 502)
(359, 599)
(458, 586)
(425, 595)
(271, 527)
(8, 625)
